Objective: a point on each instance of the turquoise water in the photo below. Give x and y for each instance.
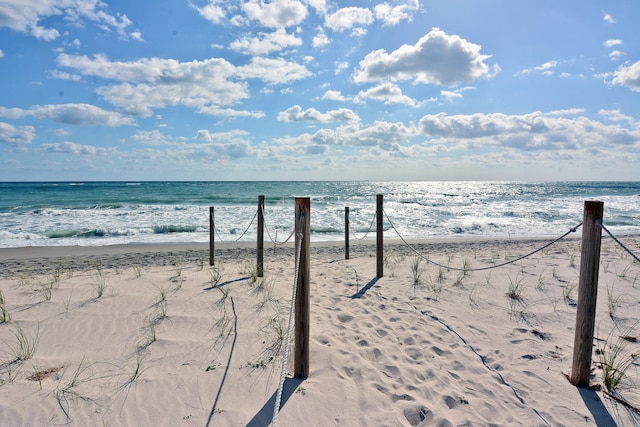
(104, 213)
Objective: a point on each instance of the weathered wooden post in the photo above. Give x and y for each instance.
(587, 293)
(211, 235)
(379, 242)
(346, 232)
(260, 239)
(301, 340)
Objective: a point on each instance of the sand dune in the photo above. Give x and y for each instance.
(151, 335)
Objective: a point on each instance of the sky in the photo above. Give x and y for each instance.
(528, 90)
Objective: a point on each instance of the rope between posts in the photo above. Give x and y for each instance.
(368, 231)
(243, 233)
(572, 230)
(287, 348)
(599, 222)
(274, 241)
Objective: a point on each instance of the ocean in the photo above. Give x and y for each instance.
(107, 213)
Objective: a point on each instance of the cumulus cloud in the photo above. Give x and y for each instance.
(629, 76)
(77, 149)
(276, 13)
(394, 14)
(26, 16)
(265, 43)
(72, 114)
(212, 12)
(333, 95)
(612, 42)
(437, 58)
(387, 93)
(320, 39)
(529, 132)
(349, 17)
(273, 71)
(16, 136)
(297, 114)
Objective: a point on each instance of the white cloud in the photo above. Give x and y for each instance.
(437, 58)
(265, 43)
(26, 16)
(297, 114)
(320, 39)
(77, 149)
(349, 17)
(546, 69)
(212, 12)
(1, 54)
(612, 42)
(73, 114)
(616, 116)
(333, 95)
(393, 15)
(629, 76)
(64, 76)
(389, 94)
(340, 67)
(529, 132)
(273, 71)
(17, 136)
(608, 18)
(277, 13)
(616, 55)
(455, 94)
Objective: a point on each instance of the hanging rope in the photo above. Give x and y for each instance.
(287, 348)
(572, 230)
(368, 231)
(599, 222)
(274, 240)
(243, 233)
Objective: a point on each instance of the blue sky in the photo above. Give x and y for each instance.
(319, 89)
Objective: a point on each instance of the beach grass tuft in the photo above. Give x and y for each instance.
(25, 346)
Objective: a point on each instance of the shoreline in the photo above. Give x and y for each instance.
(41, 260)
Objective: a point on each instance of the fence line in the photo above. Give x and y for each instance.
(572, 230)
(599, 222)
(367, 232)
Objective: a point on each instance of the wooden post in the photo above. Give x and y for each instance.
(260, 239)
(303, 226)
(379, 242)
(211, 235)
(587, 293)
(346, 232)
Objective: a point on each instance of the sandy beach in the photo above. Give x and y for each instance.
(152, 335)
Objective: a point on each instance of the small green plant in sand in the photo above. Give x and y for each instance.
(567, 293)
(250, 270)
(416, 270)
(137, 271)
(177, 278)
(215, 276)
(99, 281)
(615, 359)
(161, 303)
(516, 288)
(4, 313)
(613, 302)
(25, 346)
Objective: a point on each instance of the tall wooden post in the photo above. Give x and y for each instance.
(211, 235)
(587, 293)
(260, 239)
(346, 232)
(303, 227)
(379, 242)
